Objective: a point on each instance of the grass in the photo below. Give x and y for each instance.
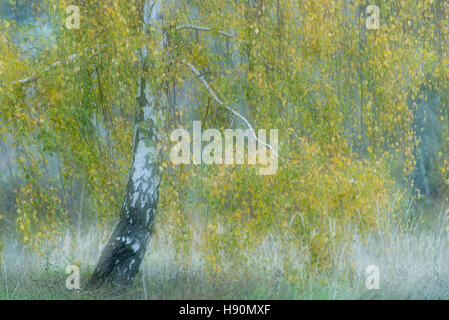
(413, 265)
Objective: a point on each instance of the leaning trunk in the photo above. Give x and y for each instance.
(124, 252)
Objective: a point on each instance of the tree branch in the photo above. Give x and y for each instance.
(57, 63)
(197, 73)
(201, 28)
(214, 95)
(74, 56)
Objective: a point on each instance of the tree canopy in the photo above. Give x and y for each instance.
(345, 99)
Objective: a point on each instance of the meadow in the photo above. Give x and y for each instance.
(413, 265)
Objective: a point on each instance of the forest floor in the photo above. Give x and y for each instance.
(412, 264)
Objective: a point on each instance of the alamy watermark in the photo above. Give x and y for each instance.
(73, 20)
(259, 151)
(72, 282)
(373, 19)
(373, 277)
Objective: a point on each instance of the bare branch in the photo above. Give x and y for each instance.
(55, 64)
(214, 95)
(201, 28)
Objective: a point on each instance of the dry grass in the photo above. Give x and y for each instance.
(413, 265)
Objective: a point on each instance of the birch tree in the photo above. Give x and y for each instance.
(123, 254)
(87, 107)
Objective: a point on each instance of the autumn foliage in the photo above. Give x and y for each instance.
(342, 96)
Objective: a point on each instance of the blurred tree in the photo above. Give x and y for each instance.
(339, 93)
